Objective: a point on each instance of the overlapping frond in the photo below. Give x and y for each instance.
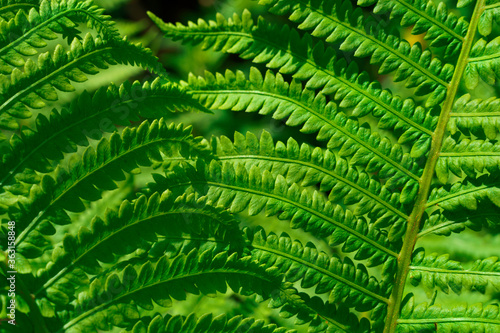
(467, 194)
(95, 171)
(307, 166)
(282, 48)
(137, 224)
(343, 281)
(442, 27)
(469, 157)
(446, 222)
(338, 22)
(27, 32)
(439, 270)
(37, 84)
(320, 316)
(166, 280)
(460, 318)
(256, 190)
(483, 63)
(315, 115)
(88, 117)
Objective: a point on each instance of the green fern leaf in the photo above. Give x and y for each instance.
(86, 176)
(62, 132)
(37, 84)
(238, 189)
(433, 270)
(307, 166)
(9, 8)
(164, 280)
(424, 318)
(354, 140)
(205, 324)
(27, 32)
(441, 27)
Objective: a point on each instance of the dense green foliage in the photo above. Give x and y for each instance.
(121, 214)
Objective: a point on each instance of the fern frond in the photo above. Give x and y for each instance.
(96, 171)
(283, 48)
(319, 315)
(479, 117)
(441, 26)
(89, 116)
(9, 8)
(337, 21)
(466, 194)
(24, 34)
(206, 324)
(273, 95)
(446, 222)
(146, 220)
(490, 15)
(38, 83)
(237, 189)
(367, 149)
(307, 166)
(468, 156)
(423, 318)
(345, 283)
(167, 279)
(483, 63)
(433, 270)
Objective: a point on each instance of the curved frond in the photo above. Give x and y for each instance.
(9, 8)
(206, 272)
(376, 153)
(282, 47)
(38, 82)
(307, 166)
(97, 170)
(88, 117)
(27, 32)
(433, 270)
(136, 225)
(338, 22)
(237, 189)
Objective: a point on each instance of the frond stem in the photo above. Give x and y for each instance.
(404, 259)
(449, 320)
